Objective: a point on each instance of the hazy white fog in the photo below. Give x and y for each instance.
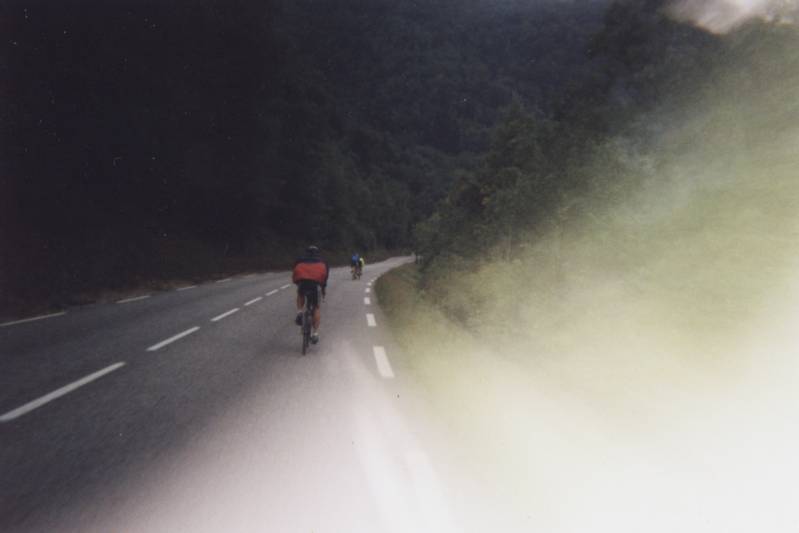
(721, 16)
(647, 379)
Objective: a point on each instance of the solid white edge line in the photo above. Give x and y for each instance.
(225, 314)
(254, 300)
(286, 286)
(186, 288)
(383, 364)
(172, 339)
(133, 299)
(66, 389)
(223, 280)
(367, 301)
(370, 319)
(270, 293)
(31, 319)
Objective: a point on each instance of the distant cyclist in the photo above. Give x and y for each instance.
(310, 274)
(355, 260)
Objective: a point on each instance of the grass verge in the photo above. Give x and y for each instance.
(399, 295)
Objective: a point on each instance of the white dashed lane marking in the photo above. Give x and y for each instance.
(383, 365)
(187, 288)
(368, 290)
(270, 293)
(172, 339)
(32, 319)
(254, 300)
(367, 301)
(286, 286)
(225, 314)
(66, 389)
(370, 319)
(133, 299)
(223, 280)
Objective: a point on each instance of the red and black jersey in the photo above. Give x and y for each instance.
(310, 269)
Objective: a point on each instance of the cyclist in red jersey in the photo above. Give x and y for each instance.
(310, 275)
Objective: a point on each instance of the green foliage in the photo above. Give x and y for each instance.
(653, 100)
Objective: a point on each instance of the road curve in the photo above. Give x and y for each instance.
(193, 410)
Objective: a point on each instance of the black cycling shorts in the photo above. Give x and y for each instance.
(310, 289)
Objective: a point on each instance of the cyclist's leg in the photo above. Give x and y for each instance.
(300, 305)
(317, 318)
(317, 313)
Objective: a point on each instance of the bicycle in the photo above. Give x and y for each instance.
(306, 327)
(356, 273)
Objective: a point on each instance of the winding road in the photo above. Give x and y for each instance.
(193, 410)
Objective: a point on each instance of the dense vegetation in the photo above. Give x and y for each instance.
(614, 274)
(536, 164)
(669, 107)
(145, 140)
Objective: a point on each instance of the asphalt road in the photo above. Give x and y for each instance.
(110, 420)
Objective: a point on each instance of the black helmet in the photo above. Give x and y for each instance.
(312, 251)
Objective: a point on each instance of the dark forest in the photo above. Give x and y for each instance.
(147, 141)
